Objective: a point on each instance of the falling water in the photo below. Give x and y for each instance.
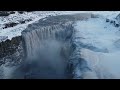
(46, 52)
(47, 47)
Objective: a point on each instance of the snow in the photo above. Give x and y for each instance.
(96, 32)
(35, 16)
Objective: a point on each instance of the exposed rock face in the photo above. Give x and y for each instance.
(11, 54)
(6, 13)
(10, 47)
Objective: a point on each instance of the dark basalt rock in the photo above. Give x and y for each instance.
(27, 20)
(6, 13)
(9, 47)
(117, 25)
(11, 24)
(111, 21)
(11, 52)
(107, 20)
(21, 12)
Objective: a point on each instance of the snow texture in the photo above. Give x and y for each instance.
(97, 33)
(35, 16)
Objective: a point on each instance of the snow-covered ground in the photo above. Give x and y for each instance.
(35, 16)
(96, 32)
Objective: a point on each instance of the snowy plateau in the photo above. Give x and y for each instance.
(60, 45)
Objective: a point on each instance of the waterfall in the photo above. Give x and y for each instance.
(48, 48)
(35, 40)
(46, 52)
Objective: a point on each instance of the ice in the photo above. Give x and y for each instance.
(100, 34)
(36, 15)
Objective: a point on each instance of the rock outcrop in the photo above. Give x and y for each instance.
(8, 48)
